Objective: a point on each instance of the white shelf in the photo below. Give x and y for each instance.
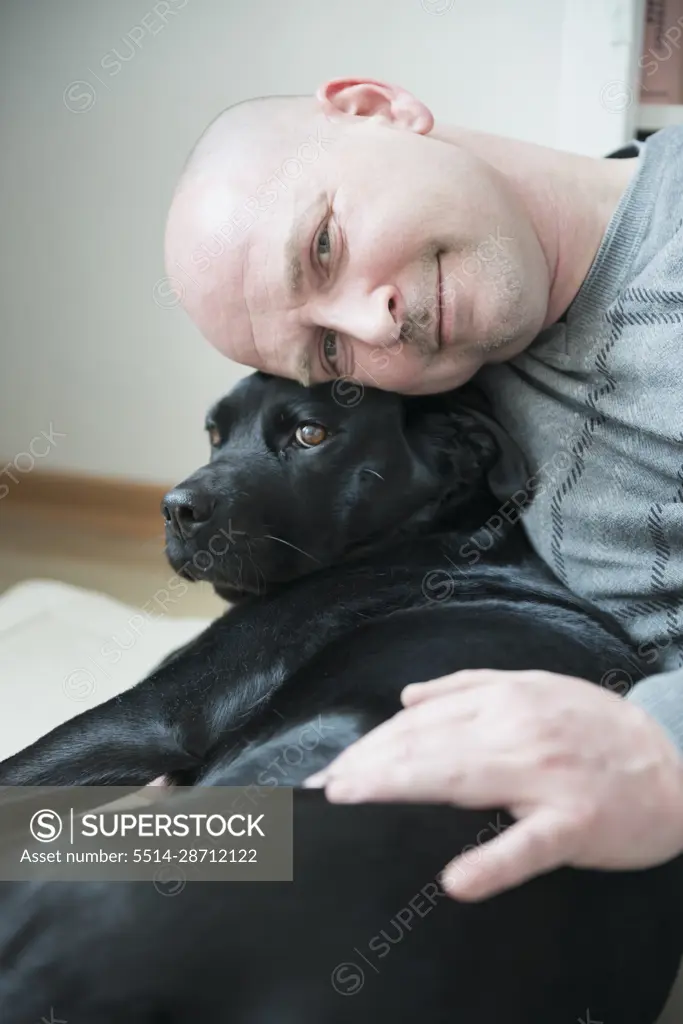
(652, 117)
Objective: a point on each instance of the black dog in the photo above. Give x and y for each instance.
(348, 539)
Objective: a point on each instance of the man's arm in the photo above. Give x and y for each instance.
(661, 696)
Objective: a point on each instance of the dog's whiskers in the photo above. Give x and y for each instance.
(260, 575)
(374, 473)
(269, 536)
(240, 582)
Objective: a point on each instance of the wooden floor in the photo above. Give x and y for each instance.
(88, 551)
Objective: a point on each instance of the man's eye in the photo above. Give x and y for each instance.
(324, 246)
(330, 352)
(330, 347)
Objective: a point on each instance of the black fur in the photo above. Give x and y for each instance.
(356, 567)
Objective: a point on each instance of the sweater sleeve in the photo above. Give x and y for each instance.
(662, 697)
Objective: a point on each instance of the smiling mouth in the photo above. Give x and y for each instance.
(439, 309)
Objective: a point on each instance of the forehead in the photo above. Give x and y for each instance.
(231, 227)
(246, 275)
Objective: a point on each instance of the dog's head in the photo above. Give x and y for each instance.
(301, 478)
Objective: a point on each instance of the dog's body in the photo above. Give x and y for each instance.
(329, 651)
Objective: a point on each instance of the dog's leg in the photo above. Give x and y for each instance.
(116, 743)
(130, 740)
(162, 727)
(212, 687)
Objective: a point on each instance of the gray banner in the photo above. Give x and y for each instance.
(167, 836)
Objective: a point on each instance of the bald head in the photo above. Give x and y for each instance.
(246, 123)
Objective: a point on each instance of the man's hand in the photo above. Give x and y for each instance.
(592, 780)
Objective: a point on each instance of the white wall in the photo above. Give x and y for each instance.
(85, 191)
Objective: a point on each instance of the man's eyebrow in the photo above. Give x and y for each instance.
(294, 277)
(295, 272)
(293, 268)
(303, 372)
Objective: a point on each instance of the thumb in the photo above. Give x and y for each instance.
(528, 848)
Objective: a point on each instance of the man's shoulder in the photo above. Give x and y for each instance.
(640, 260)
(663, 162)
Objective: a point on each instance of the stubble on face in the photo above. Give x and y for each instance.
(420, 325)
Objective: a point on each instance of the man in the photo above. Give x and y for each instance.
(347, 235)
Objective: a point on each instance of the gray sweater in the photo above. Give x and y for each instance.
(595, 406)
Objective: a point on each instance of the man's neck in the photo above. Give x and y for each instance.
(570, 199)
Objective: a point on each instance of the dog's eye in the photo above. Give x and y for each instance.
(214, 437)
(308, 435)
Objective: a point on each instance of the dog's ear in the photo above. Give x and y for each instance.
(508, 474)
(462, 425)
(472, 410)
(456, 426)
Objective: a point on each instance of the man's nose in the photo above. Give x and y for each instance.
(374, 319)
(186, 510)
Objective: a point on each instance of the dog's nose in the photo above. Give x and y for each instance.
(185, 511)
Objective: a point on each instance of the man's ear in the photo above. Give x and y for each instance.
(366, 97)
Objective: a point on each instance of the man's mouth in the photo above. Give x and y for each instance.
(440, 321)
(446, 315)
(439, 309)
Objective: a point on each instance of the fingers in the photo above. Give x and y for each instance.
(416, 693)
(417, 777)
(429, 769)
(468, 679)
(532, 846)
(403, 757)
(469, 692)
